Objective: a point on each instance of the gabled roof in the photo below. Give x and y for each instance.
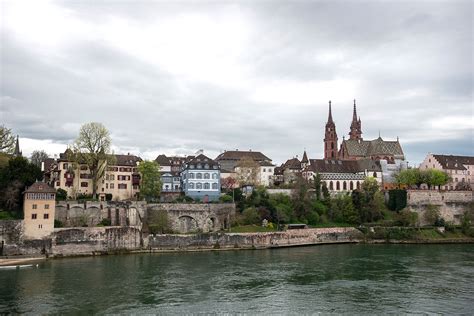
(202, 160)
(120, 160)
(305, 158)
(162, 160)
(454, 162)
(265, 164)
(343, 166)
(40, 187)
(293, 163)
(237, 155)
(366, 148)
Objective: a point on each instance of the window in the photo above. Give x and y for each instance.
(338, 187)
(198, 175)
(214, 176)
(264, 170)
(207, 176)
(122, 186)
(46, 206)
(214, 186)
(106, 185)
(46, 216)
(191, 175)
(135, 186)
(40, 226)
(191, 185)
(206, 186)
(64, 166)
(112, 177)
(35, 206)
(344, 185)
(112, 186)
(34, 216)
(84, 184)
(199, 186)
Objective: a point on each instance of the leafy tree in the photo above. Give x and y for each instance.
(326, 195)
(93, 149)
(434, 177)
(343, 211)
(13, 179)
(251, 216)
(61, 195)
(7, 140)
(397, 199)
(300, 198)
(37, 157)
(159, 222)
(317, 185)
(408, 177)
(432, 214)
(150, 186)
(406, 218)
(228, 184)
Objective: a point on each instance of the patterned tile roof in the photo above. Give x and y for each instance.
(365, 148)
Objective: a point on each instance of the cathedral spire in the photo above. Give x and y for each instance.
(354, 114)
(356, 125)
(330, 112)
(330, 138)
(17, 152)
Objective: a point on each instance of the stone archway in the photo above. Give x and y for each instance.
(211, 224)
(187, 224)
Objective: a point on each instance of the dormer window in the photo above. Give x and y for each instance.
(206, 166)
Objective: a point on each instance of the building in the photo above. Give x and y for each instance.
(17, 152)
(121, 179)
(343, 175)
(459, 168)
(201, 178)
(39, 210)
(170, 168)
(231, 161)
(290, 170)
(330, 138)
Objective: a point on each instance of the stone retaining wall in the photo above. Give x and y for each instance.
(434, 197)
(255, 240)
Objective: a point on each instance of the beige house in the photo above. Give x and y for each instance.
(38, 209)
(122, 180)
(459, 168)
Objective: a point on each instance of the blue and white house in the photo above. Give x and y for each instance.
(200, 178)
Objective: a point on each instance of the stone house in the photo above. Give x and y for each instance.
(39, 210)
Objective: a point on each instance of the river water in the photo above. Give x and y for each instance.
(352, 279)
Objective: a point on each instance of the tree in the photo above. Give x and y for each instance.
(7, 140)
(300, 198)
(434, 177)
(150, 187)
(61, 195)
(408, 177)
(159, 222)
(93, 149)
(228, 183)
(13, 178)
(317, 186)
(250, 216)
(37, 157)
(247, 171)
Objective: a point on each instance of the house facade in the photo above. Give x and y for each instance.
(459, 168)
(200, 178)
(121, 179)
(39, 210)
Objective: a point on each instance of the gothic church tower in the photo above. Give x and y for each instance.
(330, 138)
(356, 125)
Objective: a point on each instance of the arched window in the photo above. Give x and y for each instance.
(191, 185)
(191, 175)
(207, 176)
(206, 186)
(332, 145)
(199, 185)
(338, 187)
(214, 186)
(375, 174)
(351, 185)
(214, 176)
(198, 175)
(344, 185)
(331, 186)
(358, 185)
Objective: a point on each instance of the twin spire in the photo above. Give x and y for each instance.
(356, 124)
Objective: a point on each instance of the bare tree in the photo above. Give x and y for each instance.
(93, 149)
(7, 140)
(37, 157)
(247, 171)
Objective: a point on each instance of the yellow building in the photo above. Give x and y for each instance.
(38, 209)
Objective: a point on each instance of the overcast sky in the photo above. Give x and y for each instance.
(167, 77)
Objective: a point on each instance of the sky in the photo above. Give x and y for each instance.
(176, 77)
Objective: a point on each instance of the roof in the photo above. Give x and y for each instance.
(120, 160)
(40, 187)
(266, 164)
(293, 163)
(454, 162)
(343, 166)
(305, 158)
(367, 148)
(202, 160)
(237, 155)
(162, 160)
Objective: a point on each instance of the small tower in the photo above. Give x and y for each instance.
(17, 152)
(330, 138)
(304, 161)
(356, 125)
(39, 209)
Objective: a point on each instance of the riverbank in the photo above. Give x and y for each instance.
(20, 261)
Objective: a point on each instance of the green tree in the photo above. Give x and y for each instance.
(300, 198)
(434, 177)
(13, 178)
(7, 140)
(317, 186)
(250, 216)
(150, 186)
(37, 157)
(343, 211)
(61, 195)
(406, 218)
(93, 149)
(432, 214)
(158, 222)
(408, 177)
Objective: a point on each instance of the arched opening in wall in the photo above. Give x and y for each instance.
(374, 174)
(226, 224)
(331, 186)
(211, 224)
(351, 185)
(358, 185)
(338, 186)
(187, 224)
(332, 145)
(344, 185)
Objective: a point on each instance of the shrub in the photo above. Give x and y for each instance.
(61, 195)
(313, 218)
(225, 199)
(406, 218)
(105, 222)
(397, 199)
(250, 216)
(58, 223)
(108, 196)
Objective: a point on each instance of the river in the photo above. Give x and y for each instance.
(355, 279)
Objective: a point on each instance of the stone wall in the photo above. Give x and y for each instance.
(91, 240)
(434, 197)
(12, 242)
(280, 191)
(255, 240)
(187, 217)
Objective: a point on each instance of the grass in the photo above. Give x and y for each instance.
(251, 229)
(430, 234)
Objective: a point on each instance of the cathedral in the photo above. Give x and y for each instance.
(356, 148)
